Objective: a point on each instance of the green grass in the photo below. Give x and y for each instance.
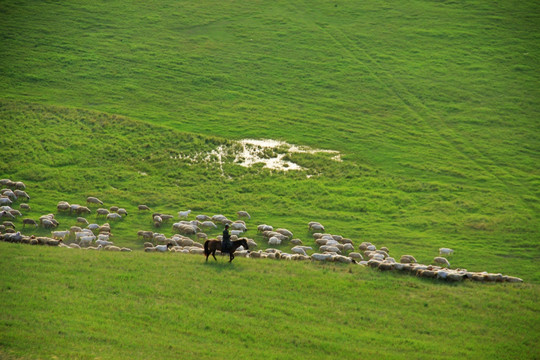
(434, 106)
(152, 306)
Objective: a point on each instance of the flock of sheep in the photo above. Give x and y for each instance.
(332, 248)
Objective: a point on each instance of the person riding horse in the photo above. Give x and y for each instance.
(226, 242)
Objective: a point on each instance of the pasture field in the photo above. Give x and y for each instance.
(87, 305)
(432, 105)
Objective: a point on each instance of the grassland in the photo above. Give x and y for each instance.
(155, 306)
(434, 107)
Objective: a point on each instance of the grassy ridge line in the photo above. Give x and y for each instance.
(81, 305)
(94, 154)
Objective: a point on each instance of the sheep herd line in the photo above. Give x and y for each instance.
(332, 248)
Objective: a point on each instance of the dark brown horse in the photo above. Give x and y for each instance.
(210, 247)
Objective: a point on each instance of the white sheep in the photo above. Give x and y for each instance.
(264, 227)
(299, 250)
(446, 251)
(208, 224)
(243, 214)
(203, 217)
(274, 241)
(315, 226)
(86, 240)
(321, 257)
(122, 211)
(441, 260)
(104, 237)
(236, 232)
(238, 226)
(5, 201)
(285, 232)
(114, 216)
(60, 234)
(104, 242)
(102, 211)
(94, 200)
(163, 248)
(184, 214)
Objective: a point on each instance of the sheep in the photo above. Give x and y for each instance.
(74, 246)
(5, 201)
(60, 234)
(10, 194)
(15, 212)
(184, 214)
(356, 255)
(163, 248)
(143, 207)
(24, 206)
(28, 221)
(82, 220)
(446, 251)
(166, 217)
(111, 248)
(201, 235)
(114, 208)
(157, 219)
(407, 259)
(102, 211)
(86, 240)
(243, 214)
(274, 241)
(203, 217)
(20, 185)
(47, 224)
(264, 227)
(92, 227)
(80, 234)
(299, 250)
(122, 212)
(114, 216)
(321, 257)
(285, 232)
(21, 193)
(52, 242)
(82, 210)
(348, 247)
(328, 248)
(364, 246)
(315, 226)
(296, 242)
(208, 224)
(93, 200)
(219, 218)
(441, 260)
(238, 226)
(103, 242)
(125, 249)
(6, 214)
(104, 237)
(8, 224)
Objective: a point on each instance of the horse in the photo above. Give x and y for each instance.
(210, 247)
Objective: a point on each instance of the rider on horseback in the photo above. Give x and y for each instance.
(226, 242)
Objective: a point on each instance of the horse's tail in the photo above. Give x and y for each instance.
(206, 250)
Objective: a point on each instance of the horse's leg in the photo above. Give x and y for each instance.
(214, 254)
(232, 256)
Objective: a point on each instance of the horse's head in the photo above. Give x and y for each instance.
(243, 242)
